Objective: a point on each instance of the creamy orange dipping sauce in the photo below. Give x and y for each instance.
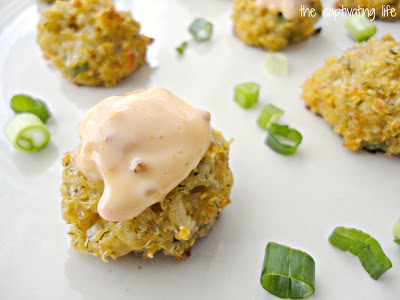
(142, 145)
(288, 8)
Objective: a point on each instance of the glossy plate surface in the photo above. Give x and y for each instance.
(295, 200)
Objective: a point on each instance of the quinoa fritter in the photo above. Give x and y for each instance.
(373, 4)
(263, 28)
(359, 95)
(90, 42)
(188, 212)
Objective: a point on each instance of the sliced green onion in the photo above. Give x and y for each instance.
(182, 47)
(276, 63)
(287, 272)
(396, 232)
(246, 94)
(26, 104)
(360, 28)
(277, 132)
(80, 69)
(365, 247)
(27, 133)
(201, 30)
(269, 114)
(348, 239)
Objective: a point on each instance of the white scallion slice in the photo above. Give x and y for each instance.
(27, 133)
(201, 30)
(276, 63)
(360, 27)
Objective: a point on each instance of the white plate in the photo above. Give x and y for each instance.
(292, 200)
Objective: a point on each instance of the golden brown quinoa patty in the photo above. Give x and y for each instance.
(188, 212)
(90, 42)
(260, 27)
(359, 95)
(373, 4)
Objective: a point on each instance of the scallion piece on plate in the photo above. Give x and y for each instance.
(182, 47)
(201, 30)
(27, 133)
(396, 232)
(246, 94)
(26, 104)
(287, 272)
(276, 63)
(365, 247)
(269, 114)
(360, 28)
(283, 140)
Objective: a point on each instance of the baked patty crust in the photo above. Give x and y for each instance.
(359, 95)
(187, 213)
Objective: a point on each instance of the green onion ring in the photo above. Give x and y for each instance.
(26, 104)
(246, 94)
(285, 132)
(365, 247)
(269, 114)
(27, 133)
(360, 28)
(287, 272)
(201, 30)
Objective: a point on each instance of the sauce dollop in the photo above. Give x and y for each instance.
(142, 145)
(289, 8)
